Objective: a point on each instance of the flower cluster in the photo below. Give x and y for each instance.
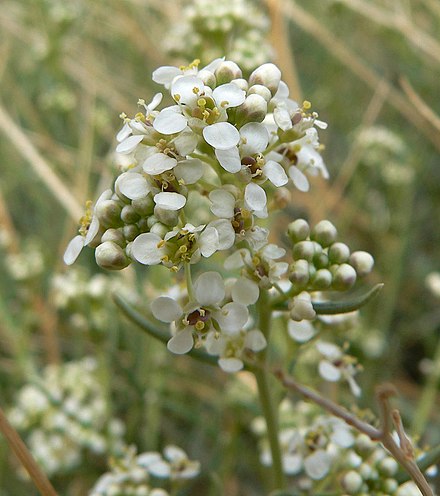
(237, 28)
(135, 475)
(27, 264)
(64, 414)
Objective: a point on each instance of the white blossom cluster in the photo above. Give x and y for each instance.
(26, 264)
(65, 413)
(137, 475)
(237, 28)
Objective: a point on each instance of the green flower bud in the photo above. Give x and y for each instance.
(299, 273)
(267, 75)
(364, 444)
(324, 233)
(298, 230)
(362, 262)
(114, 235)
(352, 482)
(143, 206)
(241, 83)
(338, 253)
(390, 486)
(366, 471)
(159, 229)
(151, 221)
(129, 215)
(167, 217)
(304, 249)
(227, 71)
(130, 231)
(344, 277)
(208, 78)
(111, 256)
(322, 279)
(388, 466)
(143, 225)
(253, 109)
(109, 212)
(320, 260)
(263, 91)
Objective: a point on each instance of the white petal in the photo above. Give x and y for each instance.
(299, 179)
(328, 371)
(226, 233)
(229, 159)
(129, 144)
(275, 173)
(282, 117)
(212, 66)
(329, 350)
(158, 163)
(174, 453)
(237, 259)
(208, 242)
(282, 91)
(255, 340)
(145, 249)
(132, 185)
(160, 469)
(92, 230)
(221, 135)
(181, 342)
(342, 436)
(273, 252)
(255, 196)
(170, 201)
(209, 289)
(245, 291)
(254, 138)
(73, 249)
(157, 98)
(124, 132)
(187, 90)
(186, 142)
(190, 171)
(169, 122)
(165, 75)
(223, 203)
(228, 95)
(317, 464)
(301, 331)
(232, 317)
(166, 309)
(230, 365)
(146, 459)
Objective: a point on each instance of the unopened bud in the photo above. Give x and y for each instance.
(282, 198)
(261, 90)
(362, 262)
(388, 466)
(208, 78)
(159, 229)
(227, 71)
(241, 83)
(324, 233)
(304, 249)
(130, 231)
(167, 217)
(267, 75)
(364, 444)
(143, 206)
(302, 308)
(108, 213)
(352, 482)
(298, 230)
(323, 279)
(111, 256)
(299, 273)
(390, 486)
(253, 109)
(114, 235)
(338, 253)
(320, 260)
(129, 215)
(344, 277)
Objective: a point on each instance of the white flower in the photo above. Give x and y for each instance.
(301, 331)
(301, 307)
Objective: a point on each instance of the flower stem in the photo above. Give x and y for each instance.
(266, 398)
(189, 283)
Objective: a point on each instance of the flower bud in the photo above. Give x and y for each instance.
(388, 466)
(299, 273)
(366, 471)
(364, 444)
(159, 229)
(352, 482)
(282, 198)
(111, 256)
(298, 230)
(167, 217)
(130, 231)
(208, 78)
(241, 83)
(114, 235)
(267, 75)
(362, 262)
(263, 91)
(324, 233)
(338, 253)
(253, 109)
(304, 249)
(227, 71)
(302, 308)
(323, 279)
(143, 206)
(320, 260)
(344, 277)
(108, 213)
(390, 486)
(129, 215)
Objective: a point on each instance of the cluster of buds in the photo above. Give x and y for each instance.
(235, 27)
(369, 469)
(135, 475)
(64, 414)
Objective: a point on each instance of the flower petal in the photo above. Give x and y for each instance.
(145, 249)
(299, 179)
(275, 173)
(328, 371)
(229, 159)
(165, 75)
(254, 138)
(232, 317)
(132, 185)
(317, 464)
(181, 342)
(255, 197)
(168, 121)
(230, 365)
(189, 171)
(255, 340)
(209, 289)
(129, 144)
(73, 249)
(158, 163)
(170, 201)
(226, 233)
(187, 90)
(208, 241)
(223, 203)
(228, 95)
(221, 135)
(166, 309)
(301, 331)
(245, 291)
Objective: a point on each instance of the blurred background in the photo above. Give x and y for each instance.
(371, 68)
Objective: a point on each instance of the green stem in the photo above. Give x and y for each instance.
(266, 398)
(189, 283)
(429, 394)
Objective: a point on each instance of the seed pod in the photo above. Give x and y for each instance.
(111, 256)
